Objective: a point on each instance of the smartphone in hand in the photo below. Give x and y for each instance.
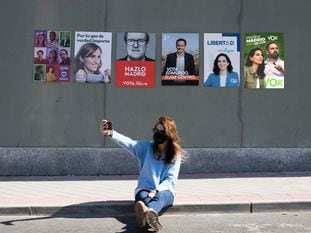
(109, 125)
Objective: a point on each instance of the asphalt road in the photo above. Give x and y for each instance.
(293, 222)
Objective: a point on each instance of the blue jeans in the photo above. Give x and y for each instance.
(158, 202)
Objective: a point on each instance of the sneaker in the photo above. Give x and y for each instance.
(140, 210)
(153, 220)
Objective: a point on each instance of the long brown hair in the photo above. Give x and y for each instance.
(173, 146)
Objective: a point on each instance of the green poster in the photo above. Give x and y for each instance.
(264, 60)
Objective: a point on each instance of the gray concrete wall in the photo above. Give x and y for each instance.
(114, 161)
(67, 115)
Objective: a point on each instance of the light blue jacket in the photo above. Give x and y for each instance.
(154, 173)
(232, 80)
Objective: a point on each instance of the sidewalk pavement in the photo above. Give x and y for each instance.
(196, 193)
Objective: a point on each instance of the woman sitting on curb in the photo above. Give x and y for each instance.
(160, 161)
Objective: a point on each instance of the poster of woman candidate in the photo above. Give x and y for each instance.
(92, 57)
(221, 59)
(180, 59)
(264, 60)
(51, 60)
(135, 64)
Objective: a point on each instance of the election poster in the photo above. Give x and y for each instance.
(51, 59)
(264, 60)
(92, 57)
(221, 59)
(180, 59)
(135, 60)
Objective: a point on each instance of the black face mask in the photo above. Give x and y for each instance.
(159, 136)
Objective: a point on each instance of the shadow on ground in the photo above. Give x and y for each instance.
(123, 211)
